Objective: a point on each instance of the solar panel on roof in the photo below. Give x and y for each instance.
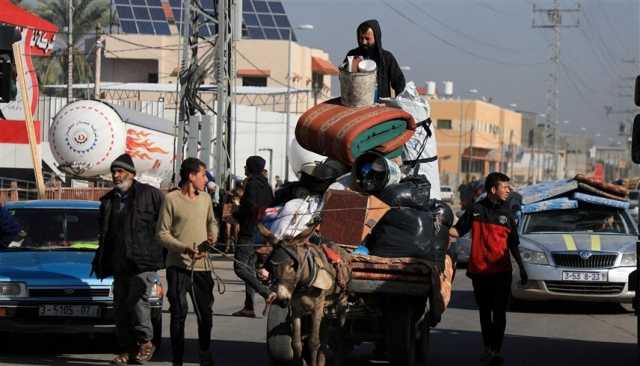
(261, 6)
(250, 19)
(266, 20)
(145, 27)
(282, 21)
(157, 14)
(261, 19)
(141, 13)
(272, 33)
(162, 28)
(276, 7)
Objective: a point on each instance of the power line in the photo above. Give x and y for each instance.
(453, 45)
(461, 33)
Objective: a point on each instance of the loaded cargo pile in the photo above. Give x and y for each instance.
(370, 172)
(570, 193)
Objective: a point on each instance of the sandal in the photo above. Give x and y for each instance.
(145, 351)
(121, 359)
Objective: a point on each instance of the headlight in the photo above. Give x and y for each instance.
(628, 260)
(533, 257)
(13, 289)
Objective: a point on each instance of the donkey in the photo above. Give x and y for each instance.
(311, 278)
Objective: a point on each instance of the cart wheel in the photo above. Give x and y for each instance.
(401, 335)
(279, 349)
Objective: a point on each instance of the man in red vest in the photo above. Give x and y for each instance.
(494, 238)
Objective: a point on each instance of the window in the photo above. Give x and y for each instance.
(254, 81)
(444, 124)
(152, 77)
(585, 219)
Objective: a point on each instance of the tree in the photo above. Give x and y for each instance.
(87, 14)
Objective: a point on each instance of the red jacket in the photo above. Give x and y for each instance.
(493, 234)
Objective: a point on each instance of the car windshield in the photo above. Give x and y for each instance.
(56, 229)
(593, 219)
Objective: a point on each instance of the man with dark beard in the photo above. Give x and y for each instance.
(129, 252)
(389, 74)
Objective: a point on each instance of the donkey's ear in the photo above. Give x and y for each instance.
(267, 235)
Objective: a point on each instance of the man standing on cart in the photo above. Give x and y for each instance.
(494, 238)
(389, 74)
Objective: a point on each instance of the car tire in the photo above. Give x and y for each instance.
(156, 322)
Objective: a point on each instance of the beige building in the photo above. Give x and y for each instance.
(260, 64)
(474, 138)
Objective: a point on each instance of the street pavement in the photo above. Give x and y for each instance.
(537, 334)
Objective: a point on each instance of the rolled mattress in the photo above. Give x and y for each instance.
(344, 133)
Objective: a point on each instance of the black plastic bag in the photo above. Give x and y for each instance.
(412, 191)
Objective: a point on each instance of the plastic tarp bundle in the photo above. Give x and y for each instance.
(423, 144)
(562, 203)
(344, 133)
(294, 217)
(596, 200)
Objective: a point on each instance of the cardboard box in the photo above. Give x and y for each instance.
(348, 217)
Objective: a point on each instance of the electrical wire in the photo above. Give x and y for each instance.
(461, 33)
(453, 45)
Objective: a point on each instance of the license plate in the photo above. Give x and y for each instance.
(584, 276)
(73, 311)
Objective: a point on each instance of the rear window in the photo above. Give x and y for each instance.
(56, 229)
(591, 219)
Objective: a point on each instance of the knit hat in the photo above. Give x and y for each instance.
(255, 164)
(125, 162)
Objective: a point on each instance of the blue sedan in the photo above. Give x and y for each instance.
(45, 281)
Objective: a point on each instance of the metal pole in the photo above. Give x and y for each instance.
(459, 180)
(69, 50)
(286, 108)
(96, 81)
(221, 80)
(270, 151)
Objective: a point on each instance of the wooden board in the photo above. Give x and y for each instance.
(348, 217)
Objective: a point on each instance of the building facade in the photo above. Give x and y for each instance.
(474, 138)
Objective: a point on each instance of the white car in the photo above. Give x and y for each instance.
(585, 253)
(446, 193)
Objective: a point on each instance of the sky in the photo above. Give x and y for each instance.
(490, 45)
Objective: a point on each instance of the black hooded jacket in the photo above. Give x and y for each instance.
(257, 197)
(389, 73)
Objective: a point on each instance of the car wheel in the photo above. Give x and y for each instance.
(156, 322)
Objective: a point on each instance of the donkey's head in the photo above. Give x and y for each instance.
(288, 261)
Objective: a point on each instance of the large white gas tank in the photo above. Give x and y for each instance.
(87, 136)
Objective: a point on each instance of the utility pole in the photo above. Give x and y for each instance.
(553, 20)
(224, 73)
(69, 50)
(96, 81)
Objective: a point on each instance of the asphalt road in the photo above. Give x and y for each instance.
(538, 334)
